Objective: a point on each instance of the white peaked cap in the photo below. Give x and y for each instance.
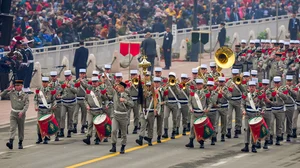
(292, 42)
(246, 74)
(203, 66)
(107, 66)
(212, 64)
(257, 41)
(210, 83)
(243, 41)
(286, 43)
(266, 81)
(297, 41)
(221, 79)
(194, 70)
(235, 71)
(133, 71)
(45, 79)
(95, 78)
(157, 79)
(82, 70)
(157, 69)
(273, 41)
(253, 72)
(184, 76)
(252, 83)
(262, 40)
(277, 79)
(68, 72)
(268, 41)
(255, 80)
(289, 77)
(95, 72)
(281, 41)
(198, 81)
(119, 74)
(252, 41)
(172, 74)
(53, 73)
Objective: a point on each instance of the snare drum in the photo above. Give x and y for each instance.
(203, 128)
(258, 128)
(48, 125)
(102, 124)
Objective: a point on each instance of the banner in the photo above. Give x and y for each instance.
(135, 48)
(124, 48)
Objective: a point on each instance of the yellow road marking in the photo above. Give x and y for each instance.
(126, 151)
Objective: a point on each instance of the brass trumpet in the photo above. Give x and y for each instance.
(237, 80)
(135, 81)
(172, 81)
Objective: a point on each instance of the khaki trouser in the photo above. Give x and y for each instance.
(194, 116)
(119, 122)
(269, 117)
(159, 124)
(184, 110)
(90, 116)
(57, 113)
(41, 113)
(147, 124)
(236, 106)
(67, 108)
(16, 122)
(136, 114)
(213, 119)
(279, 117)
(167, 109)
(295, 117)
(222, 113)
(109, 111)
(247, 127)
(289, 120)
(80, 105)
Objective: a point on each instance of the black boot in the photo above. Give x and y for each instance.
(165, 134)
(188, 127)
(294, 135)
(277, 141)
(253, 149)
(213, 141)
(87, 140)
(258, 145)
(39, 140)
(20, 144)
(135, 130)
(97, 141)
(201, 144)
(228, 135)
(10, 143)
(122, 151)
(216, 140)
(113, 148)
(158, 139)
(173, 135)
(177, 131)
(190, 144)
(139, 141)
(236, 135)
(149, 140)
(82, 129)
(75, 129)
(239, 132)
(69, 133)
(270, 142)
(222, 138)
(105, 139)
(45, 140)
(61, 133)
(119, 134)
(184, 132)
(246, 148)
(56, 137)
(281, 138)
(266, 145)
(288, 138)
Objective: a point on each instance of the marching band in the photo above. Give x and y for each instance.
(262, 91)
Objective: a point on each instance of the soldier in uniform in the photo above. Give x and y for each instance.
(250, 55)
(118, 78)
(107, 69)
(291, 64)
(183, 100)
(30, 61)
(122, 104)
(250, 107)
(276, 98)
(244, 46)
(160, 107)
(234, 104)
(296, 95)
(203, 70)
(148, 113)
(19, 106)
(68, 96)
(83, 84)
(172, 105)
(158, 73)
(44, 101)
(238, 64)
(212, 114)
(277, 66)
(199, 104)
(93, 102)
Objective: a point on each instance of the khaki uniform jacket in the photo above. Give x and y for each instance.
(19, 100)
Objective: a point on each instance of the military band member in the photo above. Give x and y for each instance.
(158, 73)
(68, 96)
(147, 115)
(250, 55)
(246, 77)
(198, 106)
(276, 98)
(212, 114)
(160, 107)
(94, 99)
(133, 90)
(183, 100)
(297, 111)
(250, 107)
(122, 104)
(277, 66)
(172, 106)
(95, 73)
(19, 106)
(238, 64)
(205, 74)
(118, 78)
(234, 104)
(81, 84)
(44, 100)
(214, 73)
(289, 107)
(107, 69)
(291, 64)
(107, 85)
(55, 85)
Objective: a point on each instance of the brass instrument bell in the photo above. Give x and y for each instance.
(237, 80)
(224, 57)
(135, 81)
(172, 81)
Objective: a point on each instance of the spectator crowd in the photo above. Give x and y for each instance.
(55, 22)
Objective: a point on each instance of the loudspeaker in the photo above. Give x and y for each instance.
(5, 6)
(195, 37)
(204, 37)
(6, 23)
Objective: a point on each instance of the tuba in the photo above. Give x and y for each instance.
(224, 57)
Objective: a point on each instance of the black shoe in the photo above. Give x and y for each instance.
(159, 139)
(281, 137)
(75, 129)
(135, 130)
(288, 138)
(82, 130)
(239, 132)
(139, 141)
(236, 134)
(105, 140)
(122, 151)
(294, 135)
(61, 133)
(258, 145)
(166, 68)
(277, 141)
(190, 144)
(113, 148)
(253, 149)
(119, 134)
(266, 145)
(56, 138)
(45, 140)
(173, 135)
(149, 140)
(228, 135)
(177, 131)
(201, 144)
(69, 133)
(246, 148)
(212, 141)
(20, 144)
(10, 143)
(188, 129)
(222, 138)
(87, 140)
(184, 132)
(97, 141)
(39, 140)
(270, 142)
(165, 134)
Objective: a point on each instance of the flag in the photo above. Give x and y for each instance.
(140, 91)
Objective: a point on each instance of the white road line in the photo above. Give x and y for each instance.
(28, 146)
(219, 163)
(2, 153)
(240, 156)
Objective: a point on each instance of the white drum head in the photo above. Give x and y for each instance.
(45, 117)
(200, 120)
(99, 119)
(255, 120)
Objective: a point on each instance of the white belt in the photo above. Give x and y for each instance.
(96, 108)
(224, 105)
(172, 101)
(23, 63)
(67, 101)
(17, 111)
(134, 98)
(183, 101)
(277, 108)
(213, 110)
(251, 110)
(236, 98)
(298, 103)
(119, 112)
(30, 61)
(268, 109)
(80, 98)
(289, 105)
